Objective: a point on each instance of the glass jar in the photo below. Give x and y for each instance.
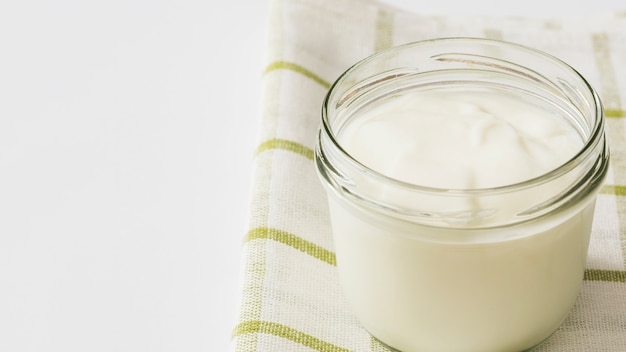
(476, 269)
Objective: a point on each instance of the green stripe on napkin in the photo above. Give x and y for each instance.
(280, 330)
(617, 190)
(293, 241)
(284, 65)
(614, 113)
(605, 275)
(285, 145)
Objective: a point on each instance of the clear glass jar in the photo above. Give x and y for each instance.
(428, 270)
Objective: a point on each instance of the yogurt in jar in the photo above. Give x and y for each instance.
(438, 287)
(460, 140)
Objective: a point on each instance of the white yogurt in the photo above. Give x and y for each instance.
(439, 288)
(460, 140)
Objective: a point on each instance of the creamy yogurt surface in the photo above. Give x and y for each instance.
(460, 140)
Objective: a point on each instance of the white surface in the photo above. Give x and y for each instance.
(126, 137)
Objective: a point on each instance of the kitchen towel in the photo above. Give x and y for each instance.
(290, 298)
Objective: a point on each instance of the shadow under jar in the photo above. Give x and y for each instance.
(449, 234)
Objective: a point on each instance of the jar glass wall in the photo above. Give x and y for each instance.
(430, 268)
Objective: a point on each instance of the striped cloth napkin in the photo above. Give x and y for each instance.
(290, 295)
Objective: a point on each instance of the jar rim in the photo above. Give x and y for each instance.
(591, 141)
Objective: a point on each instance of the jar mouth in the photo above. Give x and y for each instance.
(594, 134)
(471, 63)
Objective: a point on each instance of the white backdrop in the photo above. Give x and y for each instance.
(127, 129)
